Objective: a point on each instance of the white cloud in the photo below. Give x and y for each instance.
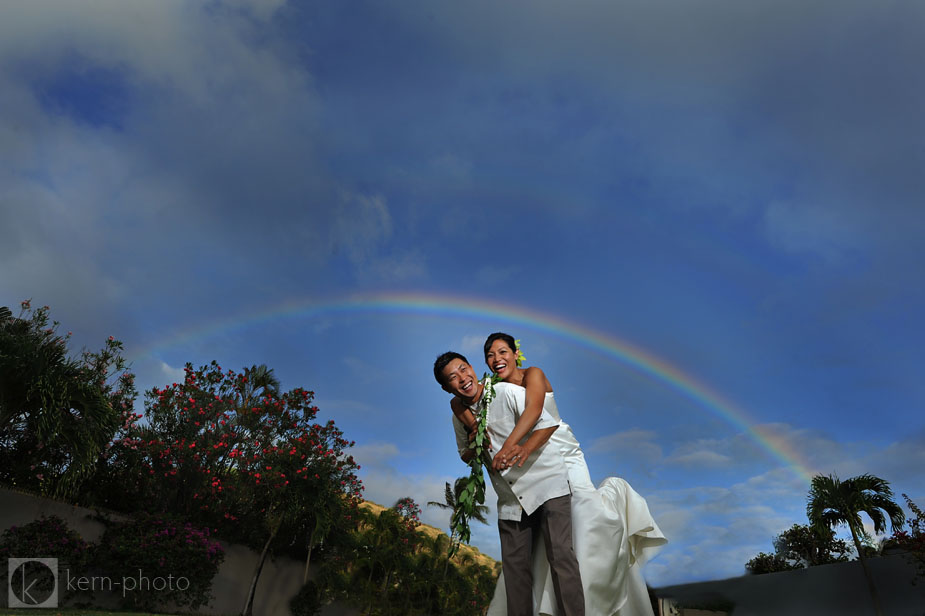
(384, 485)
(171, 374)
(361, 224)
(700, 458)
(827, 230)
(471, 347)
(639, 445)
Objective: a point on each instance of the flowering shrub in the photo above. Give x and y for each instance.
(47, 537)
(307, 602)
(913, 540)
(164, 561)
(409, 510)
(233, 452)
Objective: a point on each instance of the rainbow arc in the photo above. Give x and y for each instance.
(467, 307)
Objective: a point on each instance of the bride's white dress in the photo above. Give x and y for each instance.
(614, 535)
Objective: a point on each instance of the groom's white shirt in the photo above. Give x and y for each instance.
(542, 477)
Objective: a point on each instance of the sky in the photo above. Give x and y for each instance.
(703, 220)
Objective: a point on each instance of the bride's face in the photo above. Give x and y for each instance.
(501, 359)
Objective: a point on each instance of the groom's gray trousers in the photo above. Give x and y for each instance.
(554, 520)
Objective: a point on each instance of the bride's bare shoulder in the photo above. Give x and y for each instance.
(535, 375)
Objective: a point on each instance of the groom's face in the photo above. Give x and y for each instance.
(459, 379)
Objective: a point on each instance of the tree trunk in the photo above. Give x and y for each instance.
(249, 604)
(308, 557)
(870, 579)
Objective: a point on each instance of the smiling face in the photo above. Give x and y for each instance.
(459, 379)
(501, 359)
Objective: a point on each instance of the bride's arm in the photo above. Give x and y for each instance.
(467, 419)
(464, 415)
(535, 383)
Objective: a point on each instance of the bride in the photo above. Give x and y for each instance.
(614, 534)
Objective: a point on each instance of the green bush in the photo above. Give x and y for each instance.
(307, 602)
(47, 537)
(161, 562)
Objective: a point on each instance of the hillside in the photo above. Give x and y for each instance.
(430, 531)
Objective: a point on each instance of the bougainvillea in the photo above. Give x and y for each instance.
(231, 451)
(160, 561)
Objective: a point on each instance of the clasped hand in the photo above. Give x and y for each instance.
(509, 455)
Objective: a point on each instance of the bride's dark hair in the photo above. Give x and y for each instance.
(509, 339)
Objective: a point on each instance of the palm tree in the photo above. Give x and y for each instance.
(833, 502)
(50, 402)
(260, 380)
(451, 500)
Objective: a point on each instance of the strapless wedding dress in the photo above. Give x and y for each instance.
(613, 533)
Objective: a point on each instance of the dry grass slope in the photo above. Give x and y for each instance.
(430, 531)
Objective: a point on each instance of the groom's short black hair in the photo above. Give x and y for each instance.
(441, 362)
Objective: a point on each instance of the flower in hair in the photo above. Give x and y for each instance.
(520, 358)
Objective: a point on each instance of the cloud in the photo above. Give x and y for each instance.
(493, 276)
(713, 531)
(375, 455)
(361, 224)
(827, 230)
(700, 458)
(471, 347)
(171, 374)
(638, 445)
(384, 484)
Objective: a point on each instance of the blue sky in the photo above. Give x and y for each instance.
(734, 188)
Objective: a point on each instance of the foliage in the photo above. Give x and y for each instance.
(472, 495)
(769, 563)
(386, 567)
(47, 537)
(912, 542)
(451, 498)
(307, 602)
(800, 546)
(805, 546)
(409, 510)
(833, 502)
(157, 550)
(57, 412)
(229, 450)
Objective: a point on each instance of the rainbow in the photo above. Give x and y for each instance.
(467, 307)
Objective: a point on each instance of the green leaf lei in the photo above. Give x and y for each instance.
(473, 493)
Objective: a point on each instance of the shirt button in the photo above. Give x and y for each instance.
(510, 482)
(520, 497)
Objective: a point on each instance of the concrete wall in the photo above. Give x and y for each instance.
(838, 589)
(279, 581)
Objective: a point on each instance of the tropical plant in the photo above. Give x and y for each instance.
(47, 537)
(307, 602)
(833, 502)
(800, 546)
(451, 499)
(451, 502)
(230, 451)
(769, 563)
(161, 560)
(57, 412)
(911, 542)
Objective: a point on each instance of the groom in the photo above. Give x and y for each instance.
(532, 498)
